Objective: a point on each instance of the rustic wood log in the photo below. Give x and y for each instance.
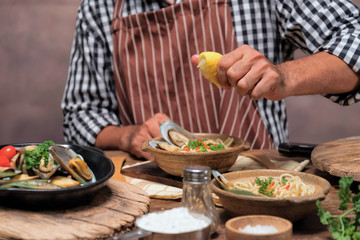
(113, 210)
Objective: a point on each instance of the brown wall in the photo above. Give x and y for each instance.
(35, 43)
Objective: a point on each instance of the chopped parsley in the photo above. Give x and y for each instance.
(283, 180)
(265, 186)
(217, 147)
(199, 145)
(32, 158)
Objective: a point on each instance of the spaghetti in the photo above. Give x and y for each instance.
(286, 185)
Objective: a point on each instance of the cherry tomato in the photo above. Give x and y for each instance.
(8, 151)
(4, 161)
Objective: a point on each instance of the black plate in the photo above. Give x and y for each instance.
(102, 167)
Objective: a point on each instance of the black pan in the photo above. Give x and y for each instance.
(102, 167)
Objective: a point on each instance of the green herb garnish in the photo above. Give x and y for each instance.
(217, 147)
(196, 143)
(203, 147)
(283, 180)
(343, 227)
(32, 158)
(264, 186)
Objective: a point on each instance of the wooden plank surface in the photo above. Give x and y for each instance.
(308, 228)
(340, 157)
(113, 210)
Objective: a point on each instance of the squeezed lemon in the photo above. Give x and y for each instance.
(207, 63)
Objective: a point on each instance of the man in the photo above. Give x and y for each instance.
(131, 67)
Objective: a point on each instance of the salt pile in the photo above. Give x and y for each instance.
(176, 220)
(259, 229)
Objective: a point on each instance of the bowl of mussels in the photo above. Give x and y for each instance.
(49, 175)
(177, 148)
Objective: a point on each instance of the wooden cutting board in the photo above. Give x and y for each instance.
(339, 157)
(113, 210)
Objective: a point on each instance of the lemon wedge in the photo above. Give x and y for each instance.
(207, 63)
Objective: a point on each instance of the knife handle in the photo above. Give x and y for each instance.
(294, 149)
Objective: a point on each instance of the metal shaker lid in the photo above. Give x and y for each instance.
(197, 174)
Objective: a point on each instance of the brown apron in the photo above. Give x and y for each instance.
(153, 70)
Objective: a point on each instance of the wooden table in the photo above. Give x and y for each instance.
(309, 228)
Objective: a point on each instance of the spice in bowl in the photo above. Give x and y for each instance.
(173, 221)
(259, 229)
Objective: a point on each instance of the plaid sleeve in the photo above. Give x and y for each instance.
(89, 102)
(321, 25)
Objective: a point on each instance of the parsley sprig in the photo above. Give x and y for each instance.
(32, 158)
(265, 186)
(343, 227)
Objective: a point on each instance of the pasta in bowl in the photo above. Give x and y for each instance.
(287, 194)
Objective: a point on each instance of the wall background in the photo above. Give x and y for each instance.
(35, 43)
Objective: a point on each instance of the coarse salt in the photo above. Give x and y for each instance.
(176, 220)
(259, 229)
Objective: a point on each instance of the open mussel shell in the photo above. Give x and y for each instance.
(32, 184)
(163, 145)
(46, 175)
(174, 134)
(62, 156)
(8, 172)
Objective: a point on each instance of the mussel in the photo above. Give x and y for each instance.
(163, 145)
(175, 135)
(32, 184)
(63, 156)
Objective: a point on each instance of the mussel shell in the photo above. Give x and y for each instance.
(177, 138)
(168, 147)
(62, 156)
(46, 175)
(32, 184)
(9, 173)
(163, 146)
(166, 126)
(154, 144)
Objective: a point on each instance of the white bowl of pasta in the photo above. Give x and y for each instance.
(173, 162)
(287, 194)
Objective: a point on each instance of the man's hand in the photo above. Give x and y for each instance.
(148, 130)
(130, 138)
(251, 73)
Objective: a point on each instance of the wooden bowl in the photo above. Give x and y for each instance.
(291, 208)
(283, 227)
(174, 162)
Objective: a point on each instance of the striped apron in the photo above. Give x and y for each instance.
(154, 73)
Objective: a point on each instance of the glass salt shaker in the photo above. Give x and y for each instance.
(197, 194)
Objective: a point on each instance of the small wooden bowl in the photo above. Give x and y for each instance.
(174, 162)
(291, 208)
(283, 227)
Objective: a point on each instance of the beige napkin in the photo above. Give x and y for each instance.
(280, 162)
(156, 190)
